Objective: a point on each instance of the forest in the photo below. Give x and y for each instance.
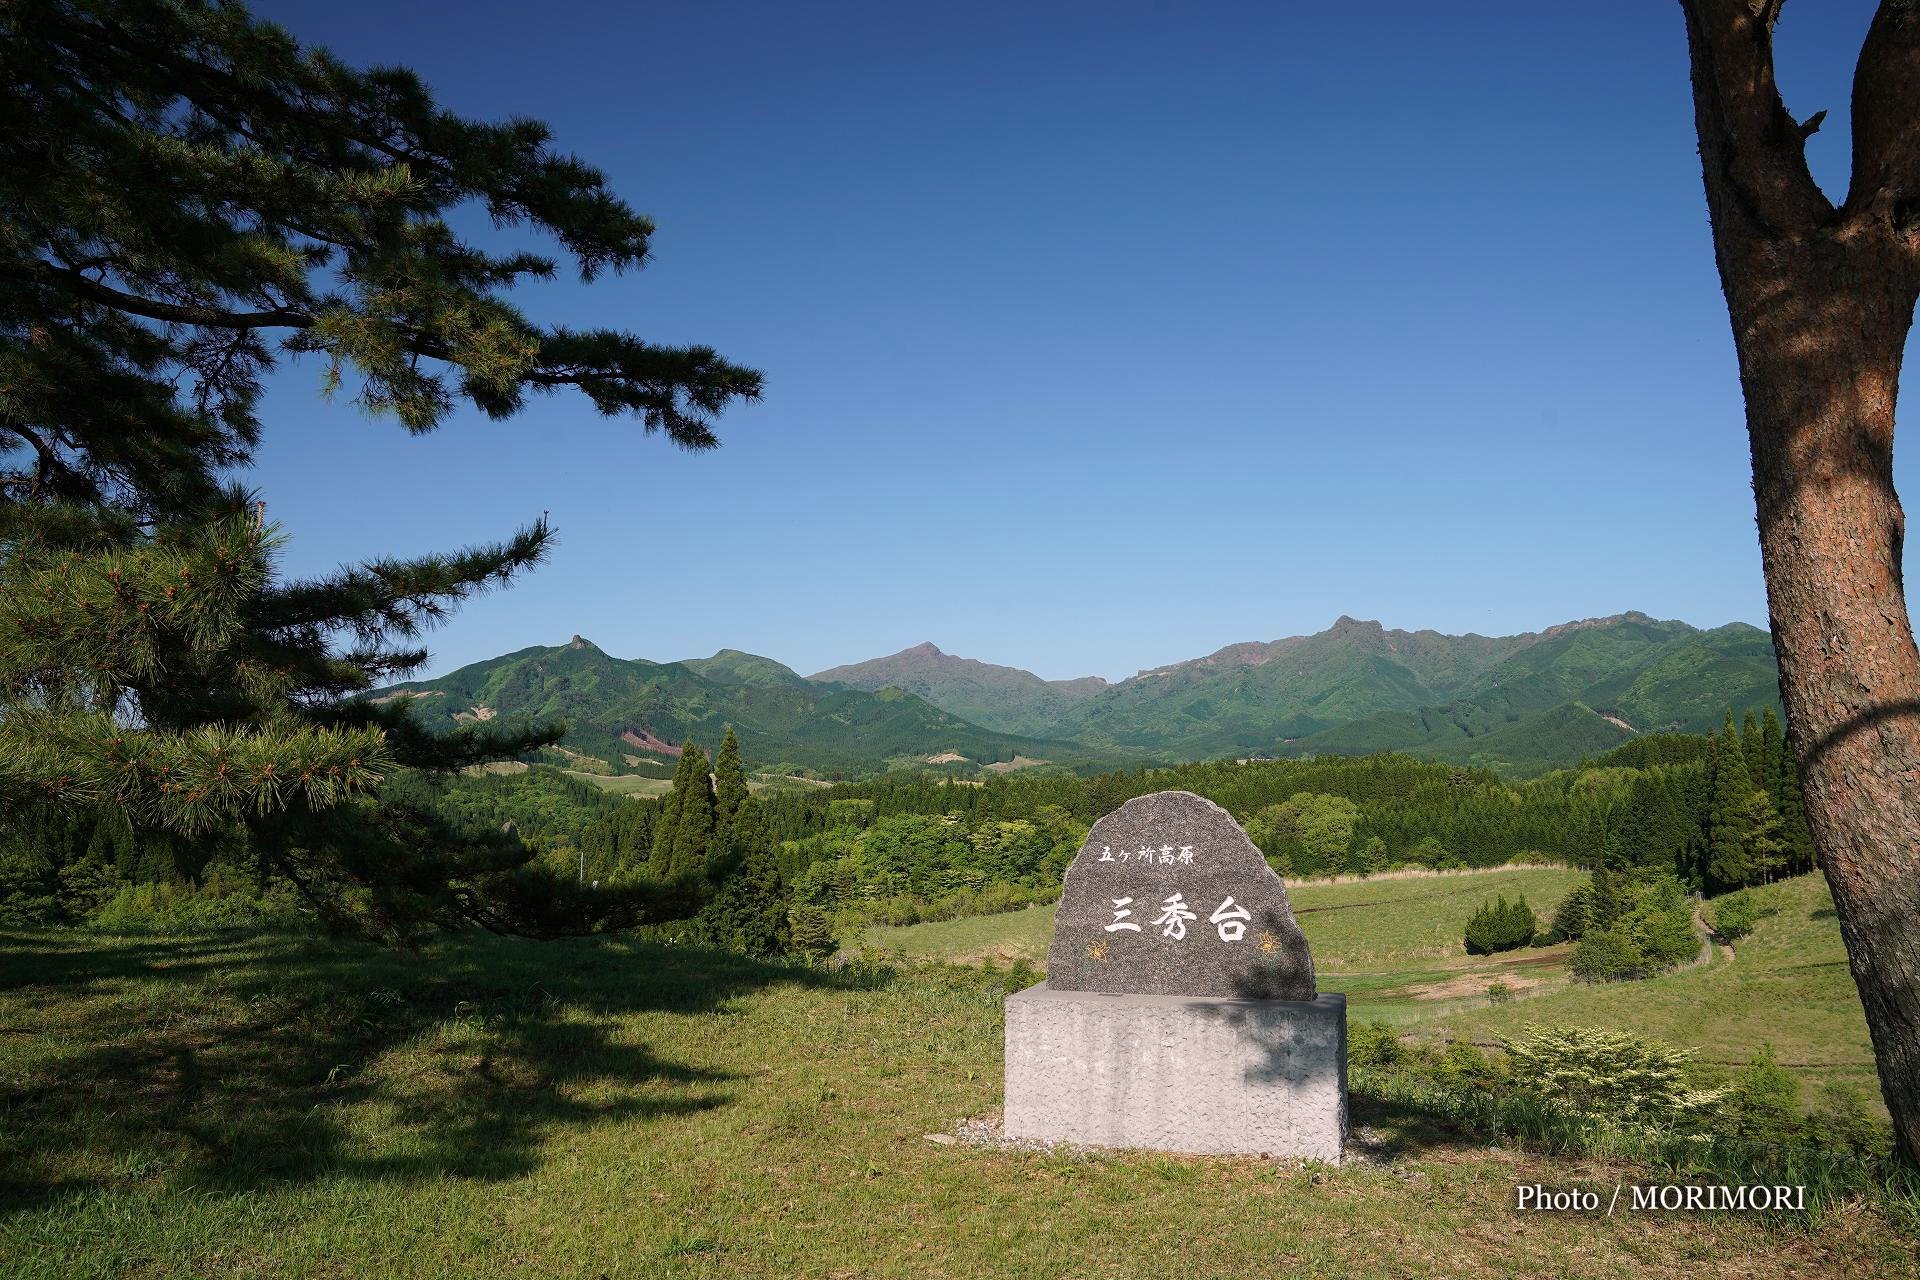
(1711, 813)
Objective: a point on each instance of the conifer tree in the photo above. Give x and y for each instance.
(749, 912)
(809, 931)
(729, 792)
(1753, 748)
(1731, 855)
(1773, 753)
(1783, 783)
(693, 820)
(666, 826)
(187, 195)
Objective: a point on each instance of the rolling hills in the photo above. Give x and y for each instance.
(626, 714)
(1005, 699)
(1521, 704)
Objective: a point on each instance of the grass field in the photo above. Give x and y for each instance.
(1394, 948)
(282, 1107)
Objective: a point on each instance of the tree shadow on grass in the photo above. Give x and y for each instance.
(231, 1062)
(1384, 1128)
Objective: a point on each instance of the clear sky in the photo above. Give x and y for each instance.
(1097, 336)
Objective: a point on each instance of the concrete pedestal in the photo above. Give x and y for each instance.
(1178, 1073)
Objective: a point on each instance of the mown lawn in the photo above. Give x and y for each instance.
(271, 1106)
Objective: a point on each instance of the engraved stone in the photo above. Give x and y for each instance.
(1169, 897)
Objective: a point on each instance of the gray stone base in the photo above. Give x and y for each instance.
(1178, 1073)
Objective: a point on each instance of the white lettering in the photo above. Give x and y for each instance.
(1232, 919)
(1121, 910)
(1174, 915)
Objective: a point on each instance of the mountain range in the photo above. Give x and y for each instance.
(1521, 704)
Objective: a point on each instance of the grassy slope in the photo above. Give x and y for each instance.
(264, 1107)
(1393, 946)
(1788, 985)
(1409, 923)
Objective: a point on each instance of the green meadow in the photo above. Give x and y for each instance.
(1393, 946)
(277, 1106)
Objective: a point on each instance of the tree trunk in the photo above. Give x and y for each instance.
(1820, 363)
(1822, 299)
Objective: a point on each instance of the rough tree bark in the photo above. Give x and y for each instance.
(1822, 299)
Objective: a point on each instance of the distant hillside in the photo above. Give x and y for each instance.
(628, 713)
(1576, 691)
(1521, 703)
(1005, 699)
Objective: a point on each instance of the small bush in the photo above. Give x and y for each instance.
(1607, 955)
(1843, 1124)
(809, 934)
(1666, 937)
(1500, 926)
(1763, 1103)
(1611, 1076)
(1499, 992)
(1734, 915)
(1373, 1045)
(1463, 1066)
(222, 901)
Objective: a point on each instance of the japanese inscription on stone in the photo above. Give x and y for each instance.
(1169, 897)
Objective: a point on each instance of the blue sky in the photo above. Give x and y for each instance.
(1097, 336)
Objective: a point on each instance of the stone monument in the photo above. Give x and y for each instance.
(1179, 1011)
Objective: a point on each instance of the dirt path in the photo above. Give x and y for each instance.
(1705, 930)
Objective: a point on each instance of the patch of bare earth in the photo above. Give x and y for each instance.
(947, 757)
(643, 738)
(1018, 762)
(1473, 984)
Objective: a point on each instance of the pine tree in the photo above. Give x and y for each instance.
(1731, 858)
(1773, 753)
(1753, 749)
(809, 932)
(729, 792)
(749, 913)
(693, 820)
(186, 194)
(1783, 783)
(666, 826)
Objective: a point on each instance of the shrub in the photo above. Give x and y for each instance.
(1612, 1076)
(1666, 937)
(222, 901)
(1463, 1066)
(1607, 955)
(1842, 1123)
(1734, 915)
(1373, 1045)
(809, 934)
(1500, 926)
(1499, 992)
(1763, 1103)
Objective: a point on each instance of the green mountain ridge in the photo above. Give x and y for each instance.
(1577, 692)
(626, 711)
(1521, 704)
(1004, 699)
